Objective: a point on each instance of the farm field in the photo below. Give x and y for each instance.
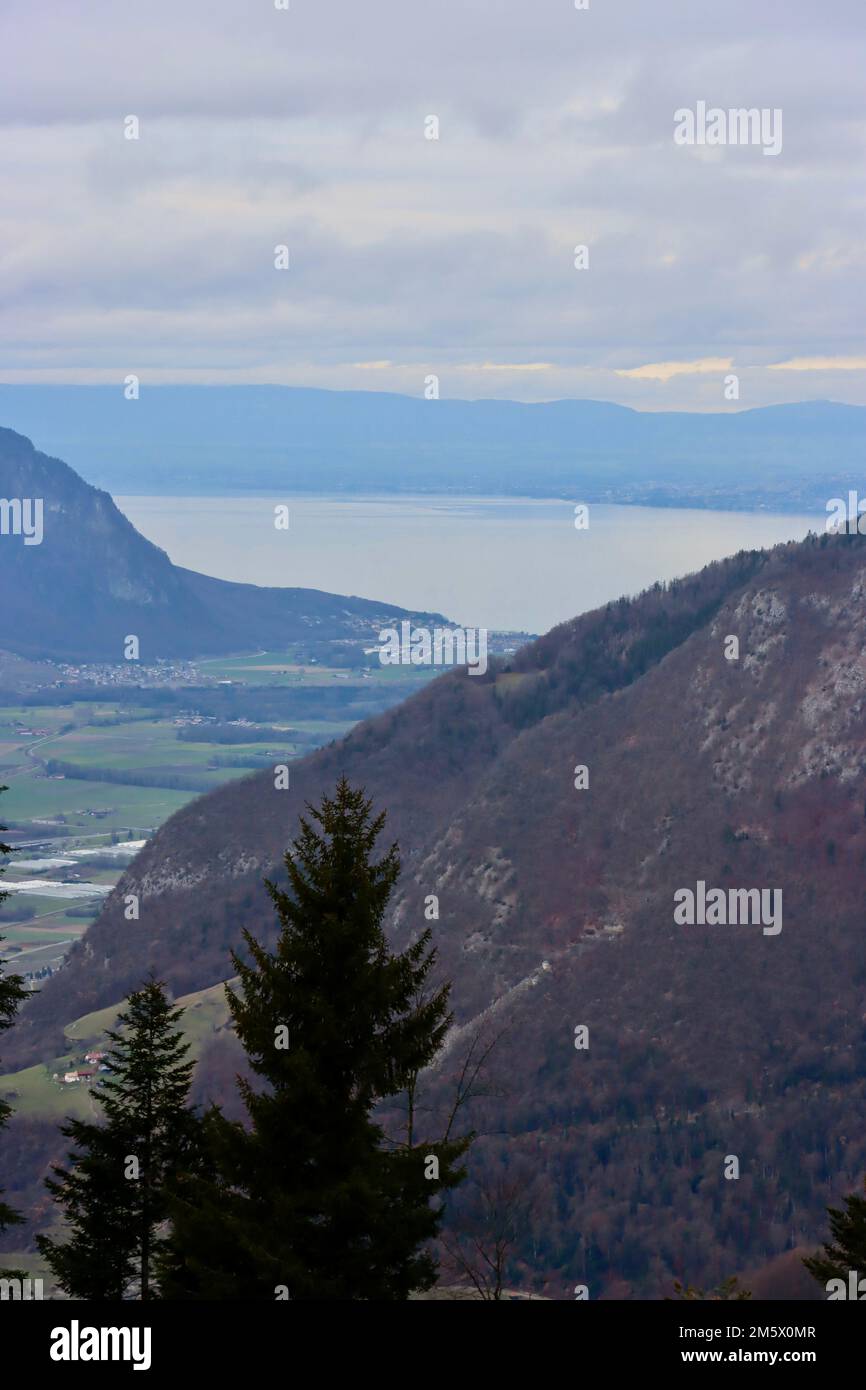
(91, 808)
(287, 669)
(108, 766)
(147, 745)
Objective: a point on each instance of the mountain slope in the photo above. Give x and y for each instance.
(556, 909)
(73, 611)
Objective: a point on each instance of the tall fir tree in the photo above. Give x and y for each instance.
(845, 1252)
(114, 1193)
(12, 996)
(309, 1200)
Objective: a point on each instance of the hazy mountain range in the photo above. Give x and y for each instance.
(223, 440)
(90, 579)
(556, 908)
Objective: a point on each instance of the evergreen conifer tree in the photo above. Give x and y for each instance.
(114, 1192)
(309, 1201)
(845, 1252)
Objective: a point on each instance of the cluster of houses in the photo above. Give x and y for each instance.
(94, 1063)
(125, 673)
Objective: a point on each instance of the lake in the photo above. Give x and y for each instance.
(494, 562)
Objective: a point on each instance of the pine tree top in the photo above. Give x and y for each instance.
(347, 1003)
(149, 1066)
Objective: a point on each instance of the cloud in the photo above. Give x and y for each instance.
(507, 367)
(663, 371)
(820, 364)
(455, 256)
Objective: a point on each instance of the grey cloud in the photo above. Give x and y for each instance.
(261, 127)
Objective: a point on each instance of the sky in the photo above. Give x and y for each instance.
(307, 128)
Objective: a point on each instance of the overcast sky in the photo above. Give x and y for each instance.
(408, 256)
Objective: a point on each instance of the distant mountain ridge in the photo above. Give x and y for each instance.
(226, 440)
(92, 580)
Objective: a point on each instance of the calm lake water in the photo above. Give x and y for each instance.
(492, 562)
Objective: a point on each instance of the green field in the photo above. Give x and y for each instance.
(131, 740)
(119, 807)
(42, 907)
(283, 668)
(33, 1090)
(27, 933)
(149, 746)
(206, 1010)
(43, 747)
(135, 740)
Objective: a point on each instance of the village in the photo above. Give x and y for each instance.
(94, 1063)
